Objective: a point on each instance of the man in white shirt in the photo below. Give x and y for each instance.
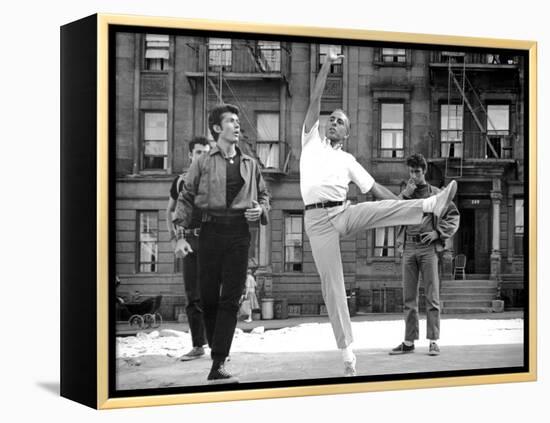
(325, 173)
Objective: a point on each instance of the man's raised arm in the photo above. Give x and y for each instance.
(314, 109)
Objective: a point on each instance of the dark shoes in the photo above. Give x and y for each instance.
(221, 375)
(196, 352)
(434, 349)
(402, 349)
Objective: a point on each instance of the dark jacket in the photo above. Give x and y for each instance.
(204, 187)
(446, 226)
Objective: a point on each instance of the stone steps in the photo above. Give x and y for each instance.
(466, 303)
(463, 297)
(467, 296)
(467, 310)
(468, 290)
(469, 284)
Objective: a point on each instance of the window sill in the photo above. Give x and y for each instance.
(272, 171)
(155, 72)
(391, 64)
(373, 260)
(153, 172)
(388, 159)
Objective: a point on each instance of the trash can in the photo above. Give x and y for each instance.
(267, 308)
(352, 304)
(179, 313)
(281, 309)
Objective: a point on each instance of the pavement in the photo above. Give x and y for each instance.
(156, 371)
(276, 352)
(123, 329)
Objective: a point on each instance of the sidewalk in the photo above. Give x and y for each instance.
(161, 371)
(304, 348)
(123, 329)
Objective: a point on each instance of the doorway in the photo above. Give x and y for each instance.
(473, 239)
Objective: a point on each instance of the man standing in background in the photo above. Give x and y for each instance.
(197, 146)
(421, 245)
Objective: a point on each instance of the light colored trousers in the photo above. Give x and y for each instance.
(324, 228)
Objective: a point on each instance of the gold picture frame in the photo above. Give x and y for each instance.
(92, 39)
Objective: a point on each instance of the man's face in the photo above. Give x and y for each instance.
(337, 127)
(418, 175)
(198, 149)
(229, 128)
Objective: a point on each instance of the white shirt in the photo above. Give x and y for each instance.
(325, 172)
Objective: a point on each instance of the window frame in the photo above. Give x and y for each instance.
(520, 253)
(392, 247)
(286, 216)
(459, 131)
(502, 137)
(226, 55)
(274, 142)
(261, 57)
(139, 243)
(393, 62)
(165, 62)
(165, 167)
(336, 68)
(381, 148)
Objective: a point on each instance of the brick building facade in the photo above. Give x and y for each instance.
(463, 111)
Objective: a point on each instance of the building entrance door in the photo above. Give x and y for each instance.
(474, 235)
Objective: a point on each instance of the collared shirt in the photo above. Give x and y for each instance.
(205, 188)
(325, 172)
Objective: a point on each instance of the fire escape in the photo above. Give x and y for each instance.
(223, 65)
(459, 85)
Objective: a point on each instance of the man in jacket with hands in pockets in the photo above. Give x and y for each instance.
(421, 245)
(228, 187)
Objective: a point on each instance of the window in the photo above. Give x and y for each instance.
(384, 242)
(148, 241)
(451, 130)
(267, 145)
(294, 243)
(269, 56)
(498, 130)
(518, 226)
(219, 53)
(336, 67)
(391, 140)
(254, 249)
(157, 52)
(155, 141)
(393, 55)
(501, 59)
(452, 57)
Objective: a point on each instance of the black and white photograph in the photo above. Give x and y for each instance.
(297, 282)
(304, 211)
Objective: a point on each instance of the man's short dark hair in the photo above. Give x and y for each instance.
(216, 115)
(198, 140)
(417, 160)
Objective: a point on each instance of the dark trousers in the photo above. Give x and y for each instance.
(191, 283)
(223, 261)
(420, 259)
